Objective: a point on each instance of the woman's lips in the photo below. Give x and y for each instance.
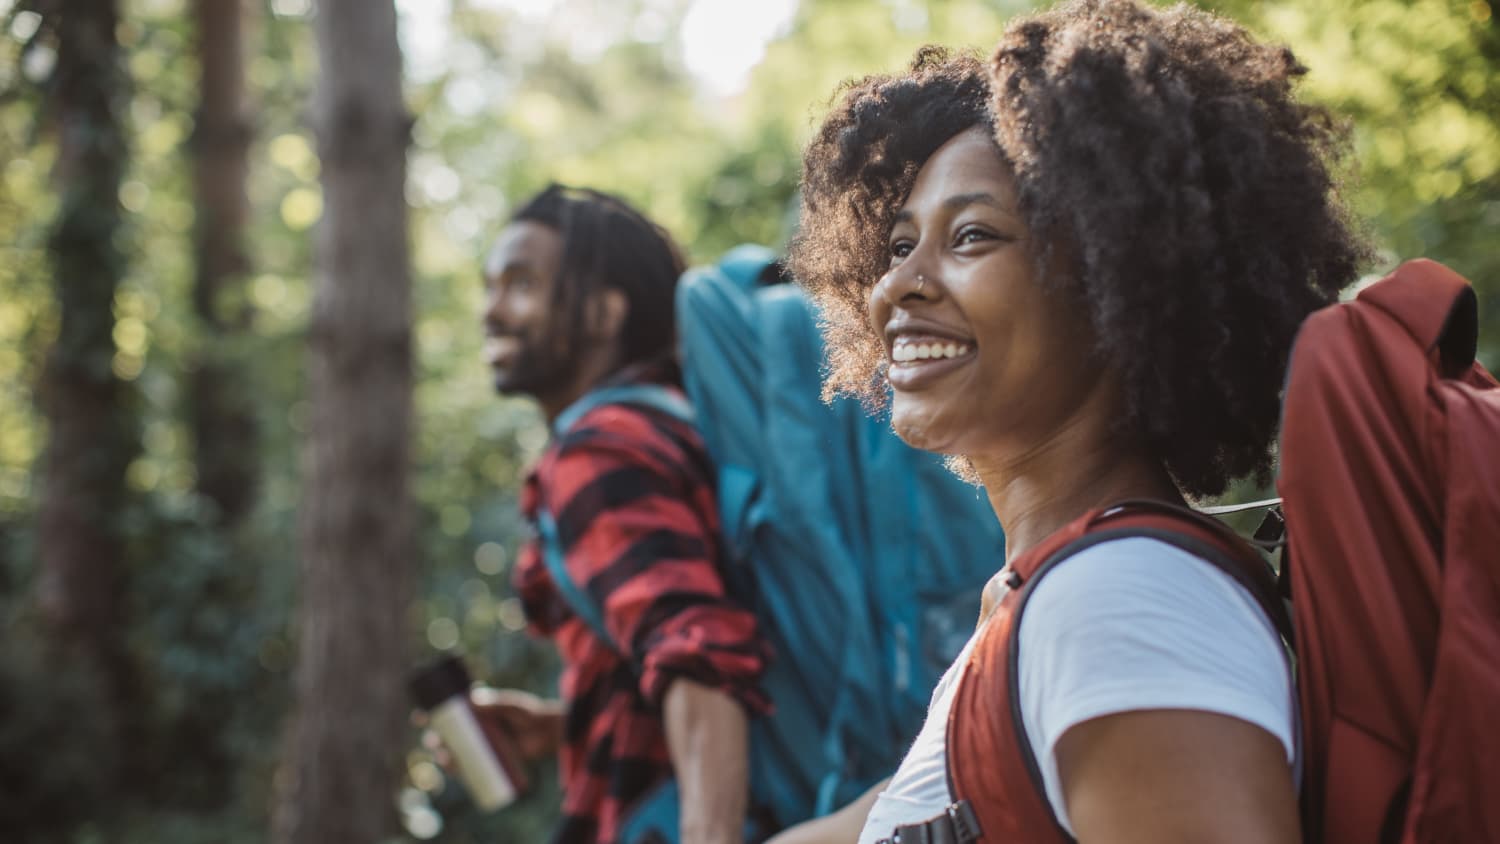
(910, 374)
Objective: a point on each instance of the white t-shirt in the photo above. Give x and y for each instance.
(1124, 625)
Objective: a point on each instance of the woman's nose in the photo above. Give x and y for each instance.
(907, 282)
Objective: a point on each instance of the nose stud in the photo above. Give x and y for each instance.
(889, 279)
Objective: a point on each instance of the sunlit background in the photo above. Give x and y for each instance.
(695, 109)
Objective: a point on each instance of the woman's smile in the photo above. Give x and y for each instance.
(919, 359)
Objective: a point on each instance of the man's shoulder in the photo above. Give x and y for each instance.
(630, 434)
(629, 423)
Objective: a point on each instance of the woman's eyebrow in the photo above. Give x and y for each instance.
(958, 201)
(953, 203)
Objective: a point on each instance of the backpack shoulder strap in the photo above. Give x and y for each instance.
(578, 600)
(657, 397)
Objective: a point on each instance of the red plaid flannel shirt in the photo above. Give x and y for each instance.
(631, 491)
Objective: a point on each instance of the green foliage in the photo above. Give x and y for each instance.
(1420, 79)
(55, 757)
(27, 313)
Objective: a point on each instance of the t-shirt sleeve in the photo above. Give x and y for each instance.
(637, 538)
(1134, 624)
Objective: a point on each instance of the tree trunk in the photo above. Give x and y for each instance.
(91, 430)
(341, 773)
(221, 409)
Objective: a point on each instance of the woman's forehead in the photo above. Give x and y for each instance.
(968, 164)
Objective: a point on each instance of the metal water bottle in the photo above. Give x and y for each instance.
(492, 775)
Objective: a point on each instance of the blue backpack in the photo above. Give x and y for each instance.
(862, 557)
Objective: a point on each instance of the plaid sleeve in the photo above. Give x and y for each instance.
(636, 517)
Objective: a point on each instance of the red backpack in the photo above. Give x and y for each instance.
(1391, 484)
(1390, 477)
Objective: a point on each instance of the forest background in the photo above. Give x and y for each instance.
(173, 534)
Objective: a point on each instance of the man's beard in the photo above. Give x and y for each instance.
(535, 371)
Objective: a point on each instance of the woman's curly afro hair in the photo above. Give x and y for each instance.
(1162, 159)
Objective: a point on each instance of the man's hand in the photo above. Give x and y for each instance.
(533, 725)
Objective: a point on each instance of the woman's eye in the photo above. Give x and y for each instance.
(900, 248)
(970, 234)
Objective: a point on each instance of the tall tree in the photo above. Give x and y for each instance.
(223, 418)
(81, 547)
(357, 543)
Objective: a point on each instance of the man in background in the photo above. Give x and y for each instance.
(660, 666)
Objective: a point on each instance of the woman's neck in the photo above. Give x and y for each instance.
(1081, 465)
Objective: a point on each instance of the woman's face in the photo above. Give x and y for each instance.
(981, 354)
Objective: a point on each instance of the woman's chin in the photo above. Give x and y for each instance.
(920, 430)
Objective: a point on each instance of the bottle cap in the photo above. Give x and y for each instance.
(432, 685)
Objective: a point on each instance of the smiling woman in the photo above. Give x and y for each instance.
(1080, 270)
(1160, 209)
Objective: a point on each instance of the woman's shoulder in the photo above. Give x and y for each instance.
(1146, 591)
(1136, 623)
(1137, 568)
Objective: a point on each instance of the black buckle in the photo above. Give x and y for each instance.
(1272, 530)
(965, 822)
(1271, 535)
(957, 825)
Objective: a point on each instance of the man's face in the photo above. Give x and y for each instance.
(521, 342)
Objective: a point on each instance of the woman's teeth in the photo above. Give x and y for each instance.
(903, 352)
